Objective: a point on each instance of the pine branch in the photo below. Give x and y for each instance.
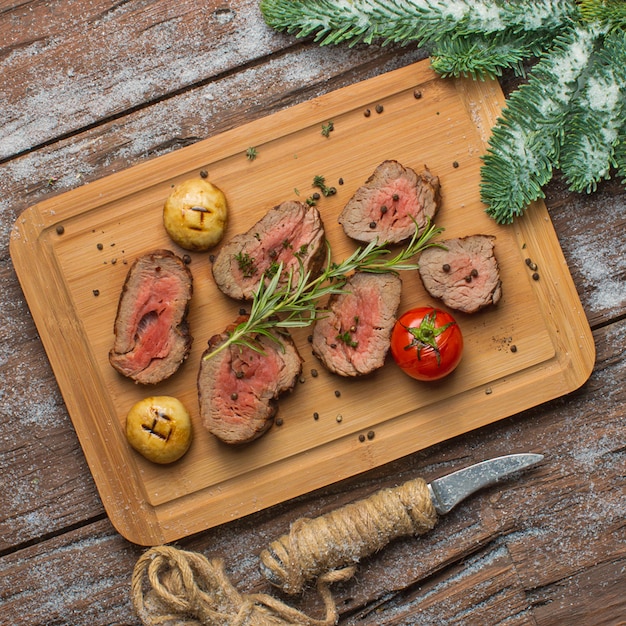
(485, 56)
(592, 126)
(525, 142)
(606, 13)
(403, 21)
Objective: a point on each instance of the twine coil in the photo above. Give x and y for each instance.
(171, 586)
(176, 587)
(347, 534)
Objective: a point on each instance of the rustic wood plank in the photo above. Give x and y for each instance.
(70, 163)
(596, 261)
(483, 589)
(65, 70)
(477, 564)
(591, 596)
(71, 67)
(79, 578)
(82, 577)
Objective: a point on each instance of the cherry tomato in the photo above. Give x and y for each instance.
(426, 343)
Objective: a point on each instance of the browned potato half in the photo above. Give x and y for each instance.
(195, 214)
(159, 428)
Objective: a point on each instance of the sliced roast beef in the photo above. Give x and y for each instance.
(389, 204)
(352, 338)
(291, 233)
(464, 275)
(238, 388)
(152, 337)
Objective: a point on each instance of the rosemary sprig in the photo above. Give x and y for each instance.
(287, 304)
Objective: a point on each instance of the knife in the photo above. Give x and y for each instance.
(339, 539)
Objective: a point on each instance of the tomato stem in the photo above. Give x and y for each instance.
(425, 335)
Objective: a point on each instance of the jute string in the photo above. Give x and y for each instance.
(172, 586)
(347, 534)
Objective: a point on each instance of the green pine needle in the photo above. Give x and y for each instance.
(551, 121)
(525, 143)
(592, 126)
(483, 56)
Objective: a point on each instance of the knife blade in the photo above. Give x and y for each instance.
(340, 538)
(446, 492)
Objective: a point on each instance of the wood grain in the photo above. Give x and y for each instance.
(61, 560)
(151, 504)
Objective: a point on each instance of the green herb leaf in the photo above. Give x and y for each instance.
(280, 302)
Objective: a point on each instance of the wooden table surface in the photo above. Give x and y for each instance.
(91, 88)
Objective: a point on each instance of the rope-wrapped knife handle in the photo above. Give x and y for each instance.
(342, 537)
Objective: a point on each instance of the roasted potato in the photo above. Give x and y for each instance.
(195, 214)
(159, 428)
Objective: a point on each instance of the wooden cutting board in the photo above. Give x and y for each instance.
(108, 223)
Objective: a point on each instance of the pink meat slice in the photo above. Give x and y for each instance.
(352, 338)
(291, 234)
(464, 274)
(151, 332)
(390, 203)
(239, 387)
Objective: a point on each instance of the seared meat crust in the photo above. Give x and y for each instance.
(152, 337)
(389, 204)
(465, 275)
(353, 337)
